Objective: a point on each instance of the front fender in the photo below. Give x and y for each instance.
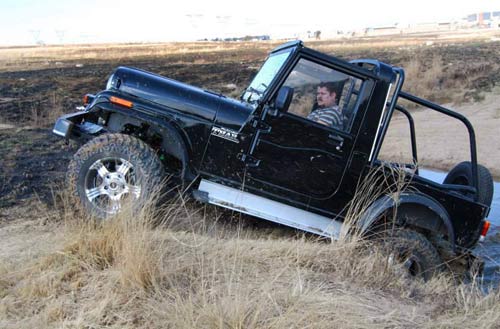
(175, 142)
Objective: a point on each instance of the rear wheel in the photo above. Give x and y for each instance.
(113, 168)
(461, 174)
(412, 254)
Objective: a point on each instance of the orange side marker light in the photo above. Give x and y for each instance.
(121, 101)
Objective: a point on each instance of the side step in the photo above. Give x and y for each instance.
(277, 212)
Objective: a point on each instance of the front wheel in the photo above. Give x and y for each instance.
(110, 169)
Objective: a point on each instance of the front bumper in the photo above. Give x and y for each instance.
(75, 126)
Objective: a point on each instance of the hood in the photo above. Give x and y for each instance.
(181, 97)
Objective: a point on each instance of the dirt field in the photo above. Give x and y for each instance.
(54, 273)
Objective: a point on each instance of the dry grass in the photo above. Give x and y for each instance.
(434, 77)
(425, 80)
(185, 266)
(116, 51)
(197, 53)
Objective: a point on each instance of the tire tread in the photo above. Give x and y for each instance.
(120, 143)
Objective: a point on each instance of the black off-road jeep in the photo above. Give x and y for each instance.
(262, 154)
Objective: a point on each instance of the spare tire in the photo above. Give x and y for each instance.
(461, 174)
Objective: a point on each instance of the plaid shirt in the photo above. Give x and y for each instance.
(329, 116)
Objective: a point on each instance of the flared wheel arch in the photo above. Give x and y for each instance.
(412, 210)
(174, 142)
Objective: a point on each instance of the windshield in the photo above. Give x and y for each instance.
(266, 74)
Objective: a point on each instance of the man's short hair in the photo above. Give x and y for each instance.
(333, 87)
(329, 85)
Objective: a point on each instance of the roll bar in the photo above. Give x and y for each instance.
(438, 108)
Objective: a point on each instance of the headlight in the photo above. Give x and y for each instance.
(113, 82)
(109, 84)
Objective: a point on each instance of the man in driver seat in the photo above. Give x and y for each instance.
(327, 111)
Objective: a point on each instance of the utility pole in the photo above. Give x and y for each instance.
(36, 36)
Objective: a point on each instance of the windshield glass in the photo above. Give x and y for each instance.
(266, 74)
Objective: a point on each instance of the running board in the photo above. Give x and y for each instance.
(277, 212)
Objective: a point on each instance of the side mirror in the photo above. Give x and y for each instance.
(283, 99)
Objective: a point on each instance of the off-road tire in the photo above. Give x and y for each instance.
(463, 266)
(461, 174)
(412, 254)
(147, 167)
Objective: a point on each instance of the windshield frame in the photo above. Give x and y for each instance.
(267, 74)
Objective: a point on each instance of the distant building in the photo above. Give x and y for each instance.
(495, 19)
(484, 19)
(245, 38)
(381, 30)
(410, 28)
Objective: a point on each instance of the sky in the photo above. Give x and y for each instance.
(25, 22)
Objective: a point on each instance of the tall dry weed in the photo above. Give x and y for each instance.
(44, 112)
(127, 242)
(383, 180)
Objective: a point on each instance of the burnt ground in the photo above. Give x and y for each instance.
(33, 161)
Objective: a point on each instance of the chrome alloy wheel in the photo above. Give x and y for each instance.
(109, 181)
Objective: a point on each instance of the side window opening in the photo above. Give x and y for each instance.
(352, 89)
(323, 95)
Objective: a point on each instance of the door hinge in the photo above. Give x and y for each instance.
(261, 126)
(249, 160)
